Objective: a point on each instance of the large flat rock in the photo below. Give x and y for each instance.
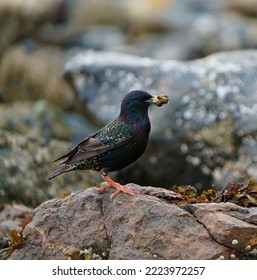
(151, 225)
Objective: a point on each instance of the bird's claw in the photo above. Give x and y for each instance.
(103, 187)
(119, 188)
(114, 194)
(124, 190)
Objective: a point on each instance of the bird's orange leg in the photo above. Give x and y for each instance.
(119, 187)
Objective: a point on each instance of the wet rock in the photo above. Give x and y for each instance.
(146, 226)
(25, 162)
(209, 128)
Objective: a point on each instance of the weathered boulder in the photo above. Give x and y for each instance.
(208, 132)
(151, 225)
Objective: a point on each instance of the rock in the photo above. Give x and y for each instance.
(92, 12)
(159, 29)
(36, 119)
(223, 32)
(208, 130)
(79, 126)
(100, 38)
(13, 217)
(146, 226)
(32, 136)
(42, 119)
(22, 19)
(209, 32)
(228, 224)
(247, 7)
(25, 162)
(34, 75)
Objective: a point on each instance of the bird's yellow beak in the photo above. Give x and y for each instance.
(159, 100)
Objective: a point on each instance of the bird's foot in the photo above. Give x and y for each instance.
(119, 187)
(103, 187)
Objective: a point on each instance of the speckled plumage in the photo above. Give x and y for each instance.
(117, 144)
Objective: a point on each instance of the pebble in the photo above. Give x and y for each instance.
(248, 247)
(234, 242)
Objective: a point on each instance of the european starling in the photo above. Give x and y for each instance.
(116, 145)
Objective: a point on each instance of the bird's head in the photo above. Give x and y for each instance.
(139, 101)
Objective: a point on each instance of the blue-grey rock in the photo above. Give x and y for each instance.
(206, 129)
(78, 125)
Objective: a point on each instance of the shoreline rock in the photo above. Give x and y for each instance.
(87, 225)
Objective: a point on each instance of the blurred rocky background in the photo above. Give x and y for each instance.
(66, 64)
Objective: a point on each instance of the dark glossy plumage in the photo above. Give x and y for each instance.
(116, 145)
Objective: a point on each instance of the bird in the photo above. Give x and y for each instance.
(116, 145)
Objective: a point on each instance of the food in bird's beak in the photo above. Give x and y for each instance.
(160, 100)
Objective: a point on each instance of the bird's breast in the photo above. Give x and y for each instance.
(143, 127)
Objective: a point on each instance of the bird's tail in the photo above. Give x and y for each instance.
(60, 170)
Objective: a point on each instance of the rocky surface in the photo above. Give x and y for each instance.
(165, 29)
(42, 119)
(87, 225)
(34, 74)
(13, 217)
(25, 162)
(208, 132)
(38, 119)
(23, 19)
(158, 29)
(206, 135)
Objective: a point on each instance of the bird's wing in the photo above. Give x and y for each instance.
(90, 147)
